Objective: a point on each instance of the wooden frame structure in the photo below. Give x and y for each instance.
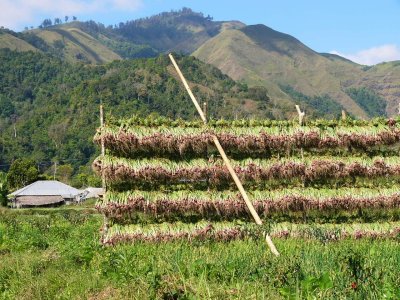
(221, 151)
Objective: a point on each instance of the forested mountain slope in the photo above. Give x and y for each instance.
(49, 108)
(255, 54)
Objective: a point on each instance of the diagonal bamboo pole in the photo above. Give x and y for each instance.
(226, 160)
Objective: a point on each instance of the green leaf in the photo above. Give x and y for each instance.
(325, 282)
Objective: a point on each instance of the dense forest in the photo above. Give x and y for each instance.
(316, 106)
(370, 101)
(49, 109)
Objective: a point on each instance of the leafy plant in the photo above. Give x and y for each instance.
(21, 173)
(310, 287)
(3, 189)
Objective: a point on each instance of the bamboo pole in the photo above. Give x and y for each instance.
(102, 143)
(226, 160)
(103, 178)
(205, 109)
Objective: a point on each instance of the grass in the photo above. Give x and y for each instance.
(76, 42)
(56, 255)
(14, 43)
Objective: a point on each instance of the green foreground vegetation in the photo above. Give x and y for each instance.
(56, 254)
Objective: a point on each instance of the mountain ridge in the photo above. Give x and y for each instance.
(255, 54)
(275, 62)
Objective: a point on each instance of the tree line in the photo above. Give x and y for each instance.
(49, 22)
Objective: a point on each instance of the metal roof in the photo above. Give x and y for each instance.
(94, 192)
(47, 188)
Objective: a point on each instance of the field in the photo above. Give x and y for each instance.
(173, 226)
(56, 254)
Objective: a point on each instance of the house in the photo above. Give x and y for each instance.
(45, 193)
(94, 192)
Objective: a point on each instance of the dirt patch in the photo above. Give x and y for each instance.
(106, 294)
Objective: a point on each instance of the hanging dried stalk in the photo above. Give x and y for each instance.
(176, 143)
(118, 206)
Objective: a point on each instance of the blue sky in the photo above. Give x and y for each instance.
(365, 31)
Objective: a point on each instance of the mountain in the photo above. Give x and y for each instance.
(323, 84)
(256, 55)
(260, 55)
(384, 79)
(179, 31)
(49, 108)
(90, 42)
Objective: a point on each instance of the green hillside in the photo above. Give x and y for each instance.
(77, 45)
(256, 55)
(12, 42)
(384, 79)
(90, 42)
(68, 42)
(49, 108)
(260, 55)
(180, 31)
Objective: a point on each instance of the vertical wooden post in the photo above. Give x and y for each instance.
(226, 160)
(344, 115)
(301, 115)
(101, 128)
(103, 179)
(103, 151)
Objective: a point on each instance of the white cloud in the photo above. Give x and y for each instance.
(373, 55)
(16, 13)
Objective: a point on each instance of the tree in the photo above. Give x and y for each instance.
(57, 21)
(21, 173)
(64, 172)
(371, 102)
(3, 189)
(66, 19)
(74, 18)
(86, 177)
(46, 23)
(7, 108)
(259, 93)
